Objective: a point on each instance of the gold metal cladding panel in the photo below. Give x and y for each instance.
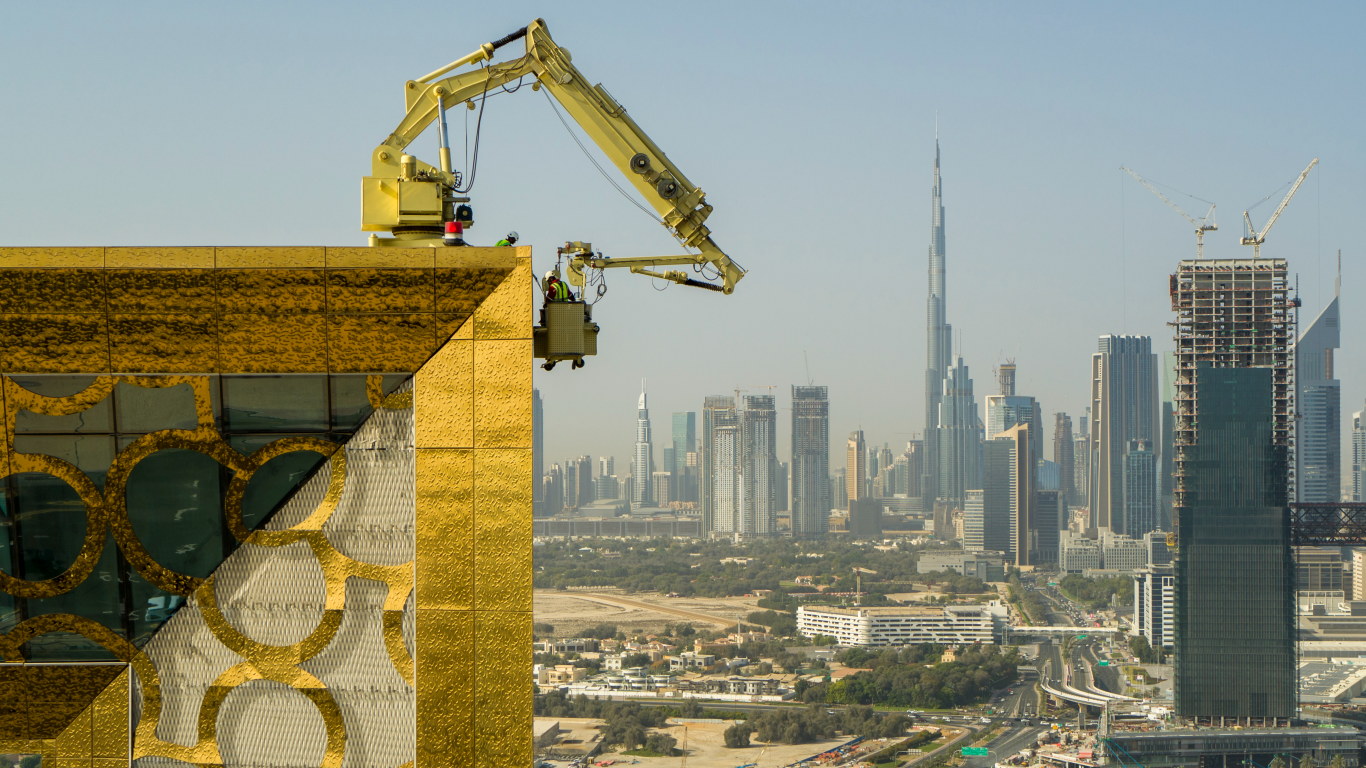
(161, 291)
(45, 258)
(363, 291)
(502, 649)
(459, 291)
(474, 257)
(388, 258)
(445, 529)
(259, 343)
(74, 742)
(286, 291)
(443, 395)
(52, 290)
(366, 343)
(54, 343)
(449, 326)
(507, 312)
(502, 394)
(158, 258)
(110, 720)
(163, 344)
(270, 258)
(502, 529)
(445, 688)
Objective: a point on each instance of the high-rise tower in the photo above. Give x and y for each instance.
(1318, 404)
(1124, 408)
(938, 345)
(642, 471)
(810, 504)
(1234, 600)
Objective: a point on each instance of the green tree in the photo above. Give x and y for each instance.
(660, 743)
(737, 735)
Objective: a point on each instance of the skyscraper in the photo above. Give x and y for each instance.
(715, 409)
(684, 442)
(1064, 454)
(1005, 411)
(642, 468)
(537, 446)
(759, 466)
(1233, 438)
(855, 467)
(938, 342)
(960, 437)
(1140, 489)
(1359, 458)
(811, 502)
(727, 502)
(1124, 407)
(1010, 487)
(1318, 405)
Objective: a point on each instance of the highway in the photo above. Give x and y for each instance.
(1014, 739)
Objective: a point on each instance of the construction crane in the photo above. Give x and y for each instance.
(1205, 224)
(1254, 238)
(858, 582)
(422, 205)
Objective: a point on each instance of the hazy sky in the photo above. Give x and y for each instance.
(809, 125)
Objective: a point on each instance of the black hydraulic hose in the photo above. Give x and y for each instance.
(700, 284)
(518, 35)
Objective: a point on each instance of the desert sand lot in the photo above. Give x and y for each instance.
(706, 749)
(571, 612)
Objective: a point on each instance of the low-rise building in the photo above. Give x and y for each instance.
(1121, 553)
(690, 660)
(561, 674)
(985, 565)
(1077, 553)
(903, 625)
(1153, 608)
(561, 647)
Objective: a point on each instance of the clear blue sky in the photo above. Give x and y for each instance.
(810, 126)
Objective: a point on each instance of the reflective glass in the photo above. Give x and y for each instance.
(175, 504)
(97, 418)
(350, 403)
(96, 598)
(9, 605)
(148, 608)
(142, 409)
(275, 404)
(92, 454)
(51, 522)
(275, 482)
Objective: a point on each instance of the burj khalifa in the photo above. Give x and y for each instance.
(938, 343)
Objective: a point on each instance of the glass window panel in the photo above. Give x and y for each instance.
(95, 598)
(9, 615)
(275, 404)
(175, 504)
(273, 483)
(141, 409)
(97, 418)
(350, 403)
(149, 608)
(51, 522)
(92, 454)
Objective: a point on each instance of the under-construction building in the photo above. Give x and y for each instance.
(1233, 465)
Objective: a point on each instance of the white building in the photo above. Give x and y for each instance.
(1077, 553)
(1121, 553)
(1153, 611)
(643, 467)
(974, 520)
(902, 625)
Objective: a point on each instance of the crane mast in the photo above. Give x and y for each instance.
(1205, 224)
(1257, 238)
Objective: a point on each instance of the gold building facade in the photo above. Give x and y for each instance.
(266, 506)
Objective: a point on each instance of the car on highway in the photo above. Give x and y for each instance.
(986, 720)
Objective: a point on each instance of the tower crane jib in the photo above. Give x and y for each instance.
(1205, 224)
(1255, 238)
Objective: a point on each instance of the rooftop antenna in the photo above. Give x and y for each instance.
(1337, 281)
(808, 361)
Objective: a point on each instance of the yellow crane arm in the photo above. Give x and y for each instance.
(680, 204)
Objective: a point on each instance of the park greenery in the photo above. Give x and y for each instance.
(814, 723)
(1026, 600)
(694, 568)
(1097, 593)
(910, 677)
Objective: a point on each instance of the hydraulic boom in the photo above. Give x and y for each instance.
(413, 201)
